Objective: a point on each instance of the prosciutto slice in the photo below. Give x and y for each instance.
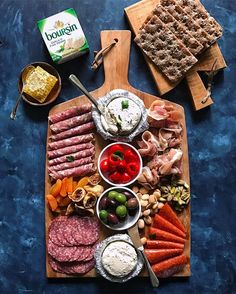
(73, 132)
(160, 113)
(71, 112)
(149, 144)
(71, 122)
(71, 141)
(69, 150)
(71, 164)
(167, 163)
(73, 172)
(77, 155)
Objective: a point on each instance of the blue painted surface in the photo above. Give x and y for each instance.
(212, 152)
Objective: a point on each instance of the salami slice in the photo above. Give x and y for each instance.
(54, 229)
(76, 267)
(73, 111)
(73, 172)
(71, 123)
(74, 131)
(71, 141)
(61, 253)
(82, 267)
(76, 155)
(69, 150)
(72, 164)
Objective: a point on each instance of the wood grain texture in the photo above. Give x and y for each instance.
(116, 64)
(136, 15)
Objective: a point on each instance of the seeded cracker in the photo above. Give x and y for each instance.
(186, 20)
(179, 30)
(164, 49)
(202, 17)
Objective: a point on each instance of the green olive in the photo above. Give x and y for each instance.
(121, 211)
(112, 194)
(121, 198)
(103, 214)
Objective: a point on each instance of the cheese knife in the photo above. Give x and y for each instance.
(134, 235)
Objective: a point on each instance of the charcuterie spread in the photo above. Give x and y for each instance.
(117, 175)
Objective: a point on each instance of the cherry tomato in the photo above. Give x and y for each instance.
(104, 166)
(115, 177)
(130, 156)
(114, 148)
(121, 166)
(125, 178)
(133, 168)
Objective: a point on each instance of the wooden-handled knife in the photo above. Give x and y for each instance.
(134, 235)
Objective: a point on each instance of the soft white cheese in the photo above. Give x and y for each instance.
(119, 259)
(121, 116)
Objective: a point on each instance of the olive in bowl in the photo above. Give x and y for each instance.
(118, 208)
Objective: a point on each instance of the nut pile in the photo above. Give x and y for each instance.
(150, 204)
(177, 193)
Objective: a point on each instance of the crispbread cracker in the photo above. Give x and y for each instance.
(186, 20)
(202, 17)
(179, 30)
(164, 49)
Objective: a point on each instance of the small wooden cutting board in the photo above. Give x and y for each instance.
(136, 15)
(116, 65)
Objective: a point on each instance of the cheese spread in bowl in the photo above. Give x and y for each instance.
(117, 260)
(122, 116)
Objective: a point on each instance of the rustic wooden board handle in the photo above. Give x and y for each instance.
(116, 61)
(198, 90)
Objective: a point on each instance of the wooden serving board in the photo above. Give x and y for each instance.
(116, 64)
(136, 15)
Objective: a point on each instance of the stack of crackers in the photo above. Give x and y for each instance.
(175, 33)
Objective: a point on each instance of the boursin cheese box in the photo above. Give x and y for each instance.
(63, 36)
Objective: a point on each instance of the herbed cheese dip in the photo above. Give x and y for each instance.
(119, 259)
(121, 116)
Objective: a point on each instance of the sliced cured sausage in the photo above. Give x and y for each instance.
(69, 150)
(73, 172)
(74, 131)
(73, 111)
(71, 141)
(61, 253)
(74, 156)
(71, 122)
(72, 164)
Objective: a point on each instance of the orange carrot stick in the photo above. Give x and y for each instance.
(165, 236)
(158, 244)
(157, 255)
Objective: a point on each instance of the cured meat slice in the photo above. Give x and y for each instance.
(170, 266)
(77, 155)
(157, 255)
(87, 231)
(167, 213)
(71, 122)
(74, 131)
(71, 141)
(72, 164)
(165, 236)
(92, 251)
(69, 150)
(73, 172)
(165, 225)
(156, 244)
(82, 267)
(76, 267)
(73, 111)
(61, 253)
(54, 229)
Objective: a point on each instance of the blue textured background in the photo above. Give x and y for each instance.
(211, 139)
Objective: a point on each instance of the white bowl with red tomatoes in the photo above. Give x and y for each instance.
(120, 164)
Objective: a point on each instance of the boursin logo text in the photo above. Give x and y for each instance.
(60, 30)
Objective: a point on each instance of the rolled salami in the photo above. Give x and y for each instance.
(73, 172)
(66, 165)
(73, 132)
(71, 141)
(69, 150)
(72, 122)
(73, 156)
(73, 111)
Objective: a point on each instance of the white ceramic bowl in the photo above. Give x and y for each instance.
(130, 220)
(103, 155)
